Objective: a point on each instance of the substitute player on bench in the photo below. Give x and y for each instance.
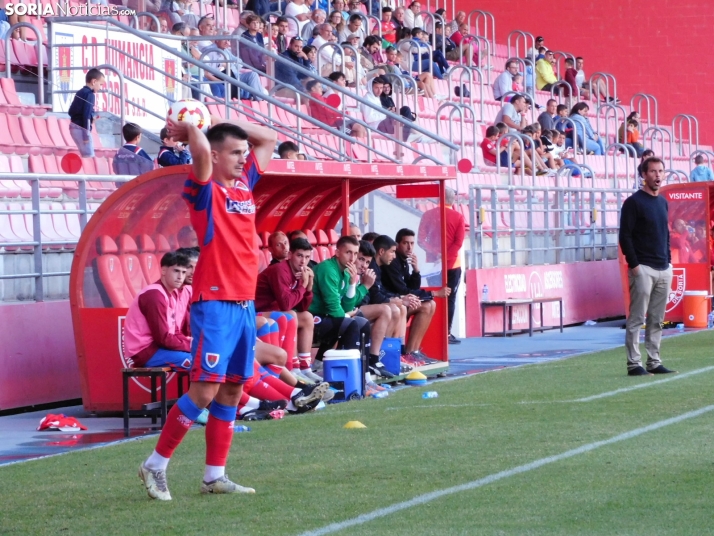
(218, 194)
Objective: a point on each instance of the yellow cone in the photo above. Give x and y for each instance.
(416, 375)
(354, 424)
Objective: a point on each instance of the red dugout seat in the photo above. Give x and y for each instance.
(109, 273)
(148, 261)
(130, 265)
(322, 249)
(162, 245)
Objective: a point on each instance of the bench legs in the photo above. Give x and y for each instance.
(125, 381)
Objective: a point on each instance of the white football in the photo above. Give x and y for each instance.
(190, 111)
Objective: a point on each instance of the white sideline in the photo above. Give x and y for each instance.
(428, 497)
(643, 385)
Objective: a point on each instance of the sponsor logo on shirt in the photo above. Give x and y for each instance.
(240, 207)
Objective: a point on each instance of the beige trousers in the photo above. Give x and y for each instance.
(648, 296)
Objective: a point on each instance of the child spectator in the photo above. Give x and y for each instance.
(518, 83)
(560, 121)
(320, 111)
(702, 172)
(633, 137)
(171, 153)
(132, 159)
(488, 146)
(81, 112)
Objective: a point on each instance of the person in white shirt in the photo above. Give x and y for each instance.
(299, 10)
(372, 116)
(598, 87)
(318, 17)
(412, 19)
(354, 26)
(326, 55)
(504, 81)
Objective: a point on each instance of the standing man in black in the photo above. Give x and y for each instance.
(644, 239)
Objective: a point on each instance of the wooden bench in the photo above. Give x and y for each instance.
(155, 408)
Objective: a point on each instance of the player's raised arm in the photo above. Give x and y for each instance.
(261, 138)
(200, 148)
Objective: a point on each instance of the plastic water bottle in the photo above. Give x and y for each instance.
(380, 394)
(430, 394)
(710, 320)
(680, 327)
(484, 293)
(241, 428)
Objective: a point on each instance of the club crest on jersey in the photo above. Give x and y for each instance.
(316, 319)
(212, 360)
(240, 207)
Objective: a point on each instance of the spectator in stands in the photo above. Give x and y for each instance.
(249, 55)
(492, 150)
(513, 113)
(278, 246)
(412, 17)
(453, 26)
(328, 53)
(633, 137)
(355, 231)
(287, 75)
(372, 117)
(398, 19)
(336, 293)
(449, 47)
(560, 122)
(424, 81)
(371, 56)
(593, 143)
(241, 29)
(386, 98)
(571, 77)
(545, 76)
(503, 84)
(354, 26)
(369, 237)
(429, 239)
(320, 111)
(469, 44)
(533, 51)
(131, 159)
(402, 277)
(281, 39)
(81, 112)
(172, 153)
(339, 7)
(287, 287)
(318, 17)
(389, 28)
(547, 118)
(702, 172)
(599, 89)
(288, 151)
(214, 56)
(336, 22)
(157, 320)
(207, 28)
(259, 7)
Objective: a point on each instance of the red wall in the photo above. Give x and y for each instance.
(662, 47)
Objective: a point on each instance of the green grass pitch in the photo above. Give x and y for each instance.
(309, 472)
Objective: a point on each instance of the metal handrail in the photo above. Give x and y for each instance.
(486, 16)
(637, 99)
(606, 77)
(434, 19)
(479, 39)
(630, 152)
(656, 130)
(563, 85)
(468, 70)
(137, 16)
(40, 50)
(677, 122)
(607, 107)
(678, 173)
(413, 43)
(558, 55)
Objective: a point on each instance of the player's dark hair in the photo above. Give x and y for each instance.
(311, 84)
(164, 134)
(93, 74)
(369, 237)
(336, 75)
(280, 19)
(645, 166)
(351, 240)
(293, 234)
(286, 147)
(300, 244)
(190, 253)
(366, 249)
(173, 258)
(130, 131)
(218, 134)
(383, 242)
(402, 233)
(561, 107)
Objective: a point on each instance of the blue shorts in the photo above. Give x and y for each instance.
(175, 359)
(223, 344)
(504, 159)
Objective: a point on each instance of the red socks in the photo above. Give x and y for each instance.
(177, 424)
(219, 435)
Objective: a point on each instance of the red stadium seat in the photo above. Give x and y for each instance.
(59, 222)
(162, 245)
(109, 273)
(28, 131)
(8, 143)
(130, 265)
(8, 89)
(150, 265)
(333, 238)
(6, 232)
(313, 242)
(322, 248)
